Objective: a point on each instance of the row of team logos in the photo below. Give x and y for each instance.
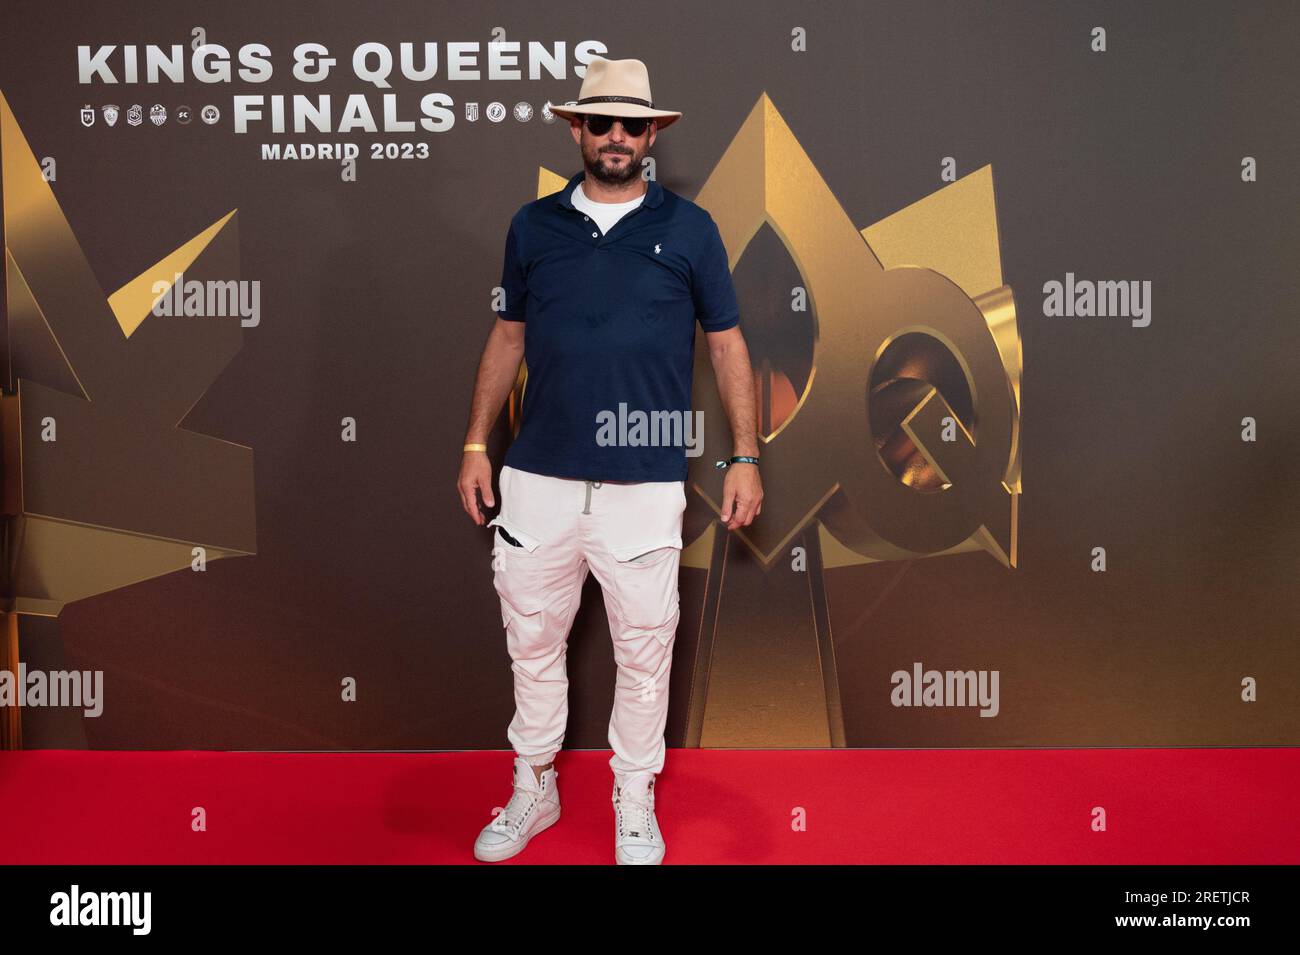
(495, 112)
(157, 115)
(523, 112)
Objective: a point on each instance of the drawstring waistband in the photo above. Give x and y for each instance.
(586, 506)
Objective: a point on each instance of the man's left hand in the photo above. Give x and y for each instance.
(742, 495)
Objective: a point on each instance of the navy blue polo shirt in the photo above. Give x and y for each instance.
(609, 336)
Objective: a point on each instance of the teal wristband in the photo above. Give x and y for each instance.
(739, 458)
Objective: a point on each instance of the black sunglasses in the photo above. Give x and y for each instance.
(599, 125)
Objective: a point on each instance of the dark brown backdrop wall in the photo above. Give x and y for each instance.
(1115, 166)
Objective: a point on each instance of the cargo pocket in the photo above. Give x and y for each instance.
(646, 576)
(517, 577)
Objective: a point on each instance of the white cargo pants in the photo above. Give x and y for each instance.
(630, 536)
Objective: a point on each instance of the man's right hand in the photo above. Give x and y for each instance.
(475, 476)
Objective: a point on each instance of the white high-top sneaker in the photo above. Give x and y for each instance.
(637, 840)
(533, 806)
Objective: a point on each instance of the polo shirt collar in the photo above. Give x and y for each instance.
(654, 193)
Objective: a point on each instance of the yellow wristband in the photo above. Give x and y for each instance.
(475, 447)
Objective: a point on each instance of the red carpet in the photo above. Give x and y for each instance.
(1163, 806)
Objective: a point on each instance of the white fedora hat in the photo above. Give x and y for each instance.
(616, 88)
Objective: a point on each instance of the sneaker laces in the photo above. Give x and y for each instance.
(635, 818)
(508, 819)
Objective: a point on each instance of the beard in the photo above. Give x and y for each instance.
(603, 170)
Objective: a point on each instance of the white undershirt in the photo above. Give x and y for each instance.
(605, 214)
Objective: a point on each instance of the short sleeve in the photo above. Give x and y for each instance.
(512, 279)
(711, 285)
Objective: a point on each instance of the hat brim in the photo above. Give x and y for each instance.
(663, 117)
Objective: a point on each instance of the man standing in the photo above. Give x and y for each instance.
(603, 283)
